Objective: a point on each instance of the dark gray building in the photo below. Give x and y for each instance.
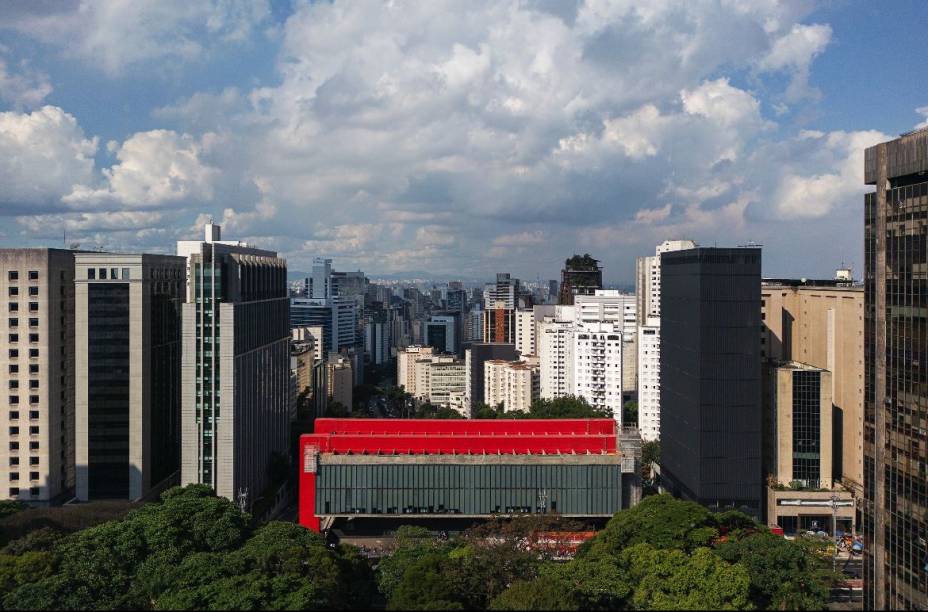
(711, 391)
(895, 512)
(475, 356)
(127, 371)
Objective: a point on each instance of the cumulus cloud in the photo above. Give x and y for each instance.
(458, 137)
(117, 34)
(43, 155)
(154, 168)
(923, 111)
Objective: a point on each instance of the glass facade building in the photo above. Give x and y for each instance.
(895, 513)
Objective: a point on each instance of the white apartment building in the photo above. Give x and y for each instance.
(649, 380)
(597, 364)
(446, 379)
(648, 283)
(620, 309)
(406, 366)
(514, 384)
(555, 353)
(525, 332)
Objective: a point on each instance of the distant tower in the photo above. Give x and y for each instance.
(582, 275)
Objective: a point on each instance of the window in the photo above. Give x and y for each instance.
(14, 446)
(33, 475)
(14, 415)
(125, 274)
(14, 475)
(14, 338)
(33, 414)
(33, 368)
(13, 306)
(33, 353)
(34, 445)
(14, 368)
(14, 430)
(91, 274)
(33, 384)
(33, 337)
(14, 491)
(14, 461)
(33, 291)
(102, 273)
(14, 400)
(33, 275)
(33, 322)
(33, 430)
(13, 275)
(12, 291)
(33, 461)
(33, 307)
(33, 399)
(114, 273)
(14, 384)
(34, 491)
(14, 322)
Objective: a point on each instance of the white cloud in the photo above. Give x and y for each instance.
(43, 154)
(117, 34)
(25, 88)
(153, 168)
(794, 52)
(923, 111)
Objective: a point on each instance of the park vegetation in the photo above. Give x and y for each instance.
(193, 550)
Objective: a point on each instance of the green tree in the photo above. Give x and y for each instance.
(424, 586)
(630, 413)
(651, 452)
(538, 594)
(673, 580)
(409, 545)
(567, 407)
(484, 411)
(785, 575)
(660, 521)
(9, 507)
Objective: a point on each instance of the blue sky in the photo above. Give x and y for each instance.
(457, 138)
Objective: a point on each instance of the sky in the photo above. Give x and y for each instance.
(455, 139)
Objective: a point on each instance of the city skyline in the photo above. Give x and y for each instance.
(460, 147)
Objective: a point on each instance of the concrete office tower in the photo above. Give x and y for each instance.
(127, 371)
(648, 279)
(597, 363)
(406, 366)
(339, 380)
(801, 461)
(236, 366)
(474, 358)
(821, 323)
(37, 373)
(377, 341)
(711, 417)
(514, 384)
(506, 290)
(337, 316)
(611, 306)
(581, 275)
(896, 317)
(649, 380)
(320, 283)
(499, 324)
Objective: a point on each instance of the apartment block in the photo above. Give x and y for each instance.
(649, 380)
(37, 375)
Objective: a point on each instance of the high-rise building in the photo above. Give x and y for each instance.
(339, 380)
(441, 333)
(474, 358)
(821, 323)
(582, 275)
(37, 374)
(895, 517)
(597, 363)
(337, 316)
(505, 291)
(236, 366)
(514, 384)
(555, 354)
(800, 463)
(447, 377)
(406, 376)
(552, 291)
(127, 372)
(499, 324)
(711, 418)
(649, 380)
(525, 332)
(648, 279)
(611, 306)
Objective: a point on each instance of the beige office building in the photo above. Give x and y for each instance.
(339, 380)
(514, 384)
(37, 375)
(127, 368)
(823, 326)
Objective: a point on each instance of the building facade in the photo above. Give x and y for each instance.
(597, 364)
(514, 384)
(37, 373)
(339, 380)
(474, 357)
(895, 517)
(648, 279)
(556, 356)
(236, 366)
(127, 367)
(649, 380)
(581, 275)
(711, 415)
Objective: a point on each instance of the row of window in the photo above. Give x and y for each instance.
(33, 445)
(14, 399)
(14, 461)
(100, 274)
(33, 353)
(33, 384)
(14, 322)
(14, 307)
(33, 492)
(33, 430)
(33, 368)
(33, 476)
(13, 291)
(13, 275)
(33, 415)
(34, 337)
